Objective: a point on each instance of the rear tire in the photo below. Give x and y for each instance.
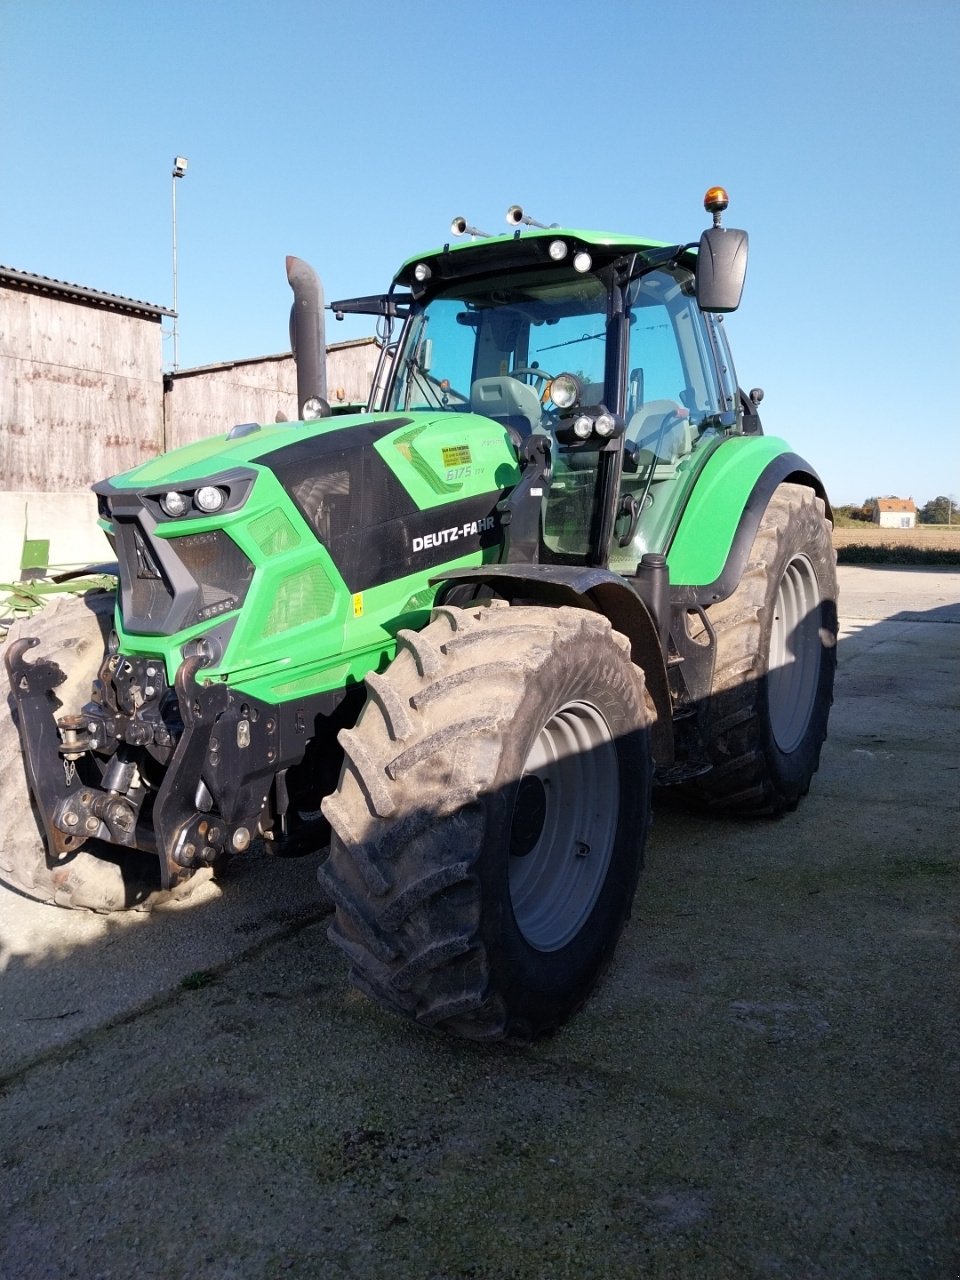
(490, 819)
(766, 719)
(99, 877)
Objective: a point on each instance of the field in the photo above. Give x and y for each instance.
(928, 537)
(869, 544)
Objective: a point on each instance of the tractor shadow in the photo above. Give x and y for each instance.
(117, 964)
(742, 1093)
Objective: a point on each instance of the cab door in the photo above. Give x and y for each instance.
(678, 409)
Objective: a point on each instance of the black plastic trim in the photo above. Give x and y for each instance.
(423, 540)
(298, 452)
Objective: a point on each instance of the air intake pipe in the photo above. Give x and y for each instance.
(308, 340)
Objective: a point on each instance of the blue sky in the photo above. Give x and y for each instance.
(351, 133)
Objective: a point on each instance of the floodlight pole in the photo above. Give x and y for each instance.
(179, 169)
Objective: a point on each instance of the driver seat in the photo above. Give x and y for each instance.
(644, 428)
(508, 400)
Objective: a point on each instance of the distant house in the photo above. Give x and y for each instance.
(895, 513)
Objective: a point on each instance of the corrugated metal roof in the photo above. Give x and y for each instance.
(282, 355)
(26, 280)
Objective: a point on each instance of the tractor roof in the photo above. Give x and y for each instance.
(516, 250)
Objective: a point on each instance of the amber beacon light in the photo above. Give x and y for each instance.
(715, 201)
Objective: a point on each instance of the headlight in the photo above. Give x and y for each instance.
(565, 390)
(558, 250)
(174, 504)
(582, 261)
(583, 427)
(605, 424)
(421, 272)
(210, 498)
(312, 409)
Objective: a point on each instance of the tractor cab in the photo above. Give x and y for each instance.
(593, 350)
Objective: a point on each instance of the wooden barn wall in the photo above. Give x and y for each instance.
(208, 401)
(350, 371)
(81, 394)
(211, 401)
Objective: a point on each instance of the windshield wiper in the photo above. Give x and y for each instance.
(418, 376)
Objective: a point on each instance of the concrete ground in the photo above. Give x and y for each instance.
(766, 1084)
(67, 521)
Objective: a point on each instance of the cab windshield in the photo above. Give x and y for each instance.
(492, 346)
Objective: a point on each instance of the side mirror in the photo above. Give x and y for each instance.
(721, 268)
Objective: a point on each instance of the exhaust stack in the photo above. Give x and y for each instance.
(308, 339)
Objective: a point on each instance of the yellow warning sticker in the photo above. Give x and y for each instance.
(358, 605)
(456, 455)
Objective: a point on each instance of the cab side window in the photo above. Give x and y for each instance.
(671, 355)
(727, 373)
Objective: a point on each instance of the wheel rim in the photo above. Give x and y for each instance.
(793, 672)
(564, 826)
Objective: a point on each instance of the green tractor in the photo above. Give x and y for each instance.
(458, 637)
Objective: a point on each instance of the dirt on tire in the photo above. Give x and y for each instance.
(764, 750)
(423, 859)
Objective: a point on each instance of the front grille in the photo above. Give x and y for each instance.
(219, 568)
(169, 584)
(150, 594)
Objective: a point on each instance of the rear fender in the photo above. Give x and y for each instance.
(709, 550)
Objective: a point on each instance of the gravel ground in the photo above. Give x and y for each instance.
(765, 1085)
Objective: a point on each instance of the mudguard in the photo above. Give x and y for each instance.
(709, 550)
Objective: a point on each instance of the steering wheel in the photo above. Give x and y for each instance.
(541, 376)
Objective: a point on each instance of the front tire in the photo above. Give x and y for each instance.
(765, 721)
(490, 819)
